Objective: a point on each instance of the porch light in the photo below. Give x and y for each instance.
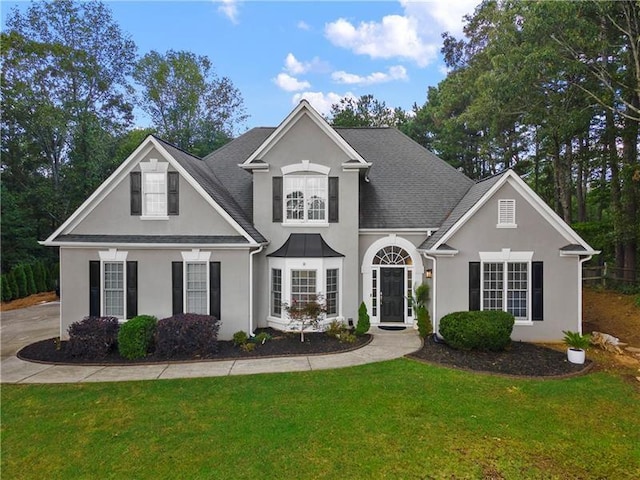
(428, 273)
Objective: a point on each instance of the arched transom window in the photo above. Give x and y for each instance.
(392, 255)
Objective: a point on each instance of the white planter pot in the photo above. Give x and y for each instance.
(576, 355)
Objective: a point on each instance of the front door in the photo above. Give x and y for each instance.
(391, 294)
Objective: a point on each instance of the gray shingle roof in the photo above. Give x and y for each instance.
(207, 179)
(224, 163)
(189, 239)
(409, 187)
(473, 195)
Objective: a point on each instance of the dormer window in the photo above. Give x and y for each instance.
(305, 199)
(506, 213)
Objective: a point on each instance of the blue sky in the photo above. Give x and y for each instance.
(279, 52)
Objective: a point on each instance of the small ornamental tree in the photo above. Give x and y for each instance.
(304, 315)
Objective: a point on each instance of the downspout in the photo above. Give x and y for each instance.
(580, 263)
(251, 334)
(433, 293)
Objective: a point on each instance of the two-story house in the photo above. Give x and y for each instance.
(279, 214)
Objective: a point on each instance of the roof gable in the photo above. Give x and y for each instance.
(303, 109)
(188, 166)
(480, 193)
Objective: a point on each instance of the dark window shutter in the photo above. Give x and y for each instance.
(537, 310)
(474, 286)
(176, 287)
(214, 286)
(136, 193)
(277, 199)
(333, 199)
(94, 288)
(132, 289)
(173, 194)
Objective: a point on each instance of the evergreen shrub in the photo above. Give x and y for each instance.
(93, 337)
(21, 281)
(187, 334)
(477, 330)
(6, 288)
(135, 337)
(363, 320)
(31, 283)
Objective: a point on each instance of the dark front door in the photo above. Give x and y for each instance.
(392, 294)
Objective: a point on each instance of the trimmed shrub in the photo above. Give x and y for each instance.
(477, 330)
(54, 276)
(424, 321)
(262, 338)
(347, 337)
(240, 338)
(363, 320)
(187, 334)
(93, 337)
(31, 283)
(135, 337)
(248, 347)
(21, 280)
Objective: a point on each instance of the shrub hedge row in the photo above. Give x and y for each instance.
(477, 330)
(180, 335)
(27, 279)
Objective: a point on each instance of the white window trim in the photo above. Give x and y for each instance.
(305, 222)
(271, 309)
(114, 255)
(195, 256)
(320, 265)
(305, 166)
(505, 257)
(153, 166)
(509, 202)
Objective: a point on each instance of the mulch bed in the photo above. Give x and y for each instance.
(520, 359)
(281, 344)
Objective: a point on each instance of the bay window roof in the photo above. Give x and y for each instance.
(305, 245)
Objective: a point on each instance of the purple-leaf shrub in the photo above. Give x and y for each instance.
(187, 334)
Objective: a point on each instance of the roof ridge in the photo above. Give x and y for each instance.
(493, 176)
(226, 145)
(175, 146)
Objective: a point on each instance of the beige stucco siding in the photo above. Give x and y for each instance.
(533, 234)
(154, 284)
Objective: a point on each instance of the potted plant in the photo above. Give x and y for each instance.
(577, 344)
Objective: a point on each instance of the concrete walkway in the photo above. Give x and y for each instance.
(22, 327)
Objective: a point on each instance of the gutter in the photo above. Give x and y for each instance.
(251, 334)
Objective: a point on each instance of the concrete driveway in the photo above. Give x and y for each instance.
(28, 325)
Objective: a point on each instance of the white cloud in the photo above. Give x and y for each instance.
(443, 69)
(397, 72)
(289, 83)
(445, 14)
(296, 67)
(302, 25)
(229, 8)
(321, 101)
(415, 35)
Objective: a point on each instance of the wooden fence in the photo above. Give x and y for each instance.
(608, 276)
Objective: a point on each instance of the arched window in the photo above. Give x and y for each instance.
(392, 255)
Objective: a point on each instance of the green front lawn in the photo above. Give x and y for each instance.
(398, 419)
